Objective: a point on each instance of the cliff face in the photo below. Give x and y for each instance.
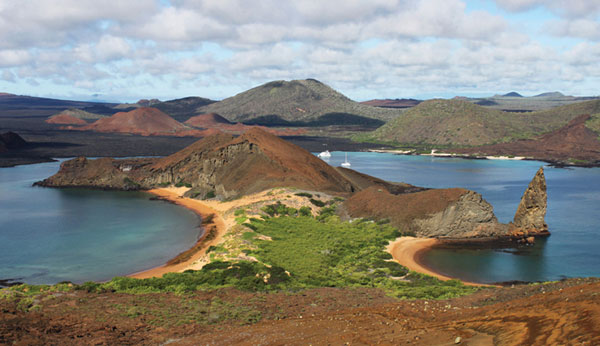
(454, 214)
(435, 213)
(529, 219)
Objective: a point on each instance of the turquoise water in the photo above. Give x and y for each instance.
(51, 235)
(573, 215)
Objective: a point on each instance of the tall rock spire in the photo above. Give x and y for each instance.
(532, 209)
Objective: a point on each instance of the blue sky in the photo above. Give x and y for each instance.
(84, 49)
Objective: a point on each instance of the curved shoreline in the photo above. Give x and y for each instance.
(199, 249)
(409, 251)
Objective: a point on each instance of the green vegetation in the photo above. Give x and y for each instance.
(130, 183)
(317, 202)
(295, 251)
(210, 194)
(279, 209)
(182, 184)
(304, 194)
(452, 123)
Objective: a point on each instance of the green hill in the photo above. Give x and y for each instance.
(460, 123)
(298, 102)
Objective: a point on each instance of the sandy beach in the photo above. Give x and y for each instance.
(406, 251)
(174, 195)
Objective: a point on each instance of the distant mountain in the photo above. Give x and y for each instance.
(145, 121)
(392, 103)
(17, 105)
(297, 103)
(514, 103)
(550, 94)
(459, 123)
(73, 116)
(207, 120)
(512, 94)
(65, 119)
(571, 143)
(184, 108)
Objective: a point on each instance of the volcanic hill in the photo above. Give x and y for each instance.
(145, 121)
(299, 102)
(460, 123)
(572, 143)
(219, 164)
(208, 120)
(73, 116)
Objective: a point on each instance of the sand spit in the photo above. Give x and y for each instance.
(408, 250)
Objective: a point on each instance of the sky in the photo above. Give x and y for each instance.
(166, 49)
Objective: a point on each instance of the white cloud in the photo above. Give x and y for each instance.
(570, 9)
(582, 28)
(382, 48)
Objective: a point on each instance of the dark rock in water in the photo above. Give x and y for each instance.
(530, 214)
(9, 282)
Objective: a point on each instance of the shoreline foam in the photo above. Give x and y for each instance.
(409, 251)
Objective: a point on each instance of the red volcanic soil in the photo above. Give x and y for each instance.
(378, 203)
(573, 141)
(65, 119)
(6, 94)
(145, 121)
(254, 161)
(561, 313)
(207, 120)
(389, 103)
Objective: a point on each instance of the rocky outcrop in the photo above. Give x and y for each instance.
(469, 217)
(458, 216)
(436, 213)
(529, 219)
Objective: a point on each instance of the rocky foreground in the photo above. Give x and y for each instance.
(560, 313)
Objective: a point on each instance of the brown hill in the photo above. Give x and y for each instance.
(145, 121)
(65, 119)
(571, 142)
(207, 120)
(252, 162)
(219, 164)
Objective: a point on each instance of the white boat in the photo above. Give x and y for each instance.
(346, 164)
(325, 154)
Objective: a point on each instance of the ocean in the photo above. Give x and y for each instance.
(573, 249)
(51, 235)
